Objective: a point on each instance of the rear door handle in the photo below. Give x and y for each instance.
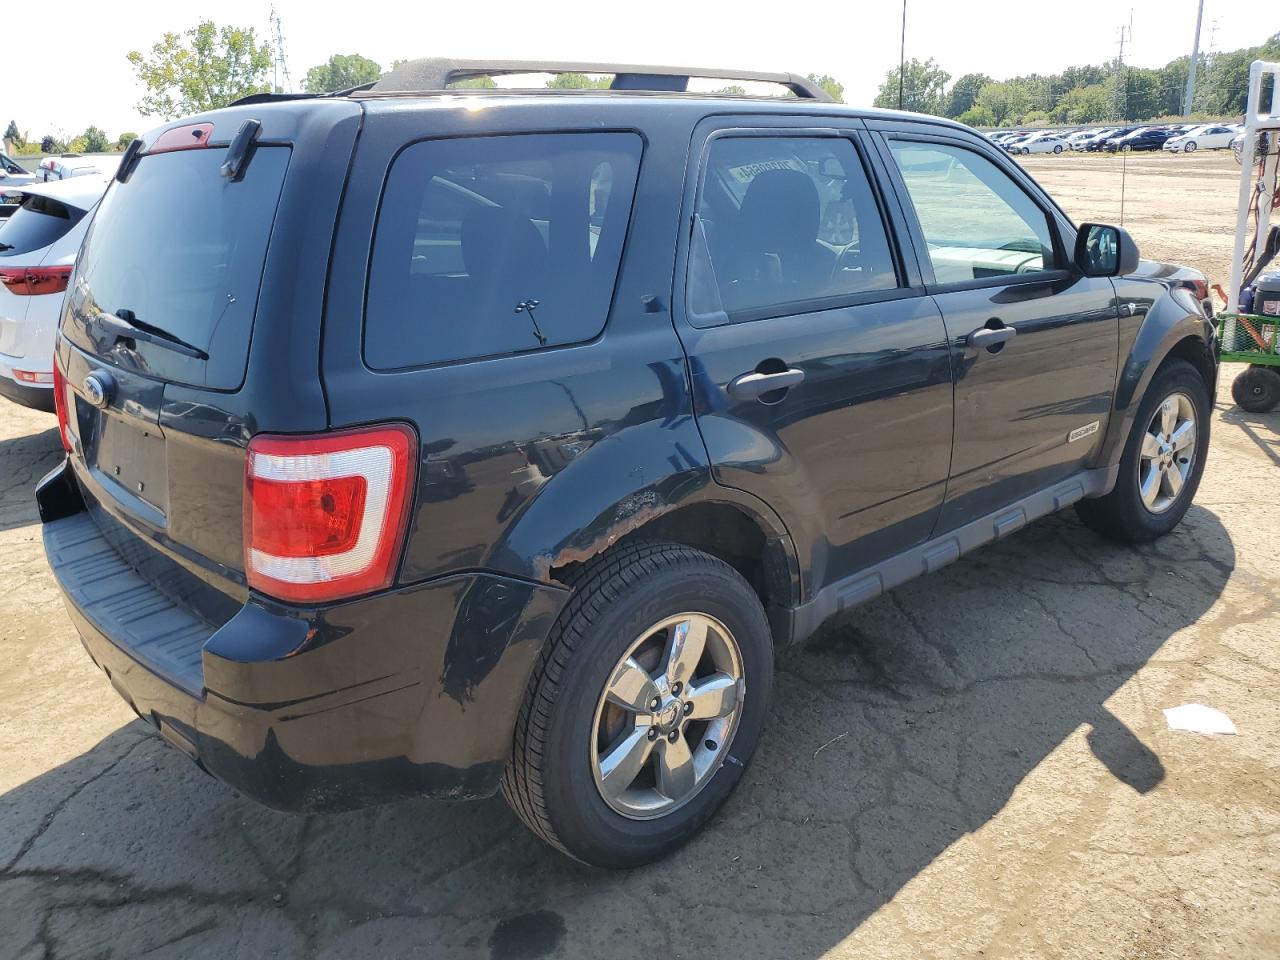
(752, 386)
(988, 337)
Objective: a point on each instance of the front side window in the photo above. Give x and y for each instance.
(977, 222)
(494, 245)
(783, 220)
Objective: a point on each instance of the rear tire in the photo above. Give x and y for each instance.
(1158, 479)
(1057, 148)
(1257, 390)
(570, 778)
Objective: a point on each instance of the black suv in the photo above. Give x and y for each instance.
(1148, 138)
(430, 441)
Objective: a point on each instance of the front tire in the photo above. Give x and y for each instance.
(1190, 147)
(1257, 390)
(1162, 462)
(645, 707)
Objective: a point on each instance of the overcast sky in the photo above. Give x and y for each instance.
(75, 73)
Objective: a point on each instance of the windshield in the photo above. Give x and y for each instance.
(182, 249)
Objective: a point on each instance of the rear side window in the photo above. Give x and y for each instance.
(977, 222)
(39, 222)
(497, 245)
(783, 220)
(183, 249)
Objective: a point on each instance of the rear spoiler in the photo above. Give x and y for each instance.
(194, 136)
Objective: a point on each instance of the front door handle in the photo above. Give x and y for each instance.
(753, 385)
(991, 337)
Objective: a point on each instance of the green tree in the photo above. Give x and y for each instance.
(51, 144)
(474, 83)
(964, 93)
(834, 88)
(578, 81)
(14, 136)
(201, 69)
(95, 140)
(732, 90)
(125, 139)
(978, 116)
(924, 86)
(1006, 101)
(1084, 105)
(342, 71)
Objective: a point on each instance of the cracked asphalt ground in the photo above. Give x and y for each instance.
(976, 765)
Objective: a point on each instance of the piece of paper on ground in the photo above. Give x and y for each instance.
(1197, 718)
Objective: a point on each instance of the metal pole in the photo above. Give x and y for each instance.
(1191, 66)
(902, 53)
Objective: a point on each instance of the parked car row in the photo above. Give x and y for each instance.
(1174, 138)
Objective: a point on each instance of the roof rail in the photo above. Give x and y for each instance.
(435, 74)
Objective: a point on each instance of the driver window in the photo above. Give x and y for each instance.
(782, 220)
(977, 221)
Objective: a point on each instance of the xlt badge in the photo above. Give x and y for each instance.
(1079, 433)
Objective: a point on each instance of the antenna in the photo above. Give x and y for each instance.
(279, 64)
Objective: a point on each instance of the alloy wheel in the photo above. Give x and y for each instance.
(1168, 453)
(667, 716)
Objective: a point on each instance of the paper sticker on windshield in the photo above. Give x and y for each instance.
(749, 171)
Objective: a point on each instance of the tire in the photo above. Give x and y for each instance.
(554, 781)
(1257, 390)
(1025, 151)
(1123, 514)
(1190, 147)
(1057, 148)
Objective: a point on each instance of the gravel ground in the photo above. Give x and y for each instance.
(975, 765)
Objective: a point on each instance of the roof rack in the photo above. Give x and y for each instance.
(433, 74)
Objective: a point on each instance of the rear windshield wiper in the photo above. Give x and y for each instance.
(124, 324)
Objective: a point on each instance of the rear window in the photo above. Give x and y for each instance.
(39, 222)
(182, 248)
(497, 245)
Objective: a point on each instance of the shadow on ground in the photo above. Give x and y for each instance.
(23, 461)
(891, 736)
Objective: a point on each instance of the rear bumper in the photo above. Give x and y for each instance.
(36, 396)
(413, 692)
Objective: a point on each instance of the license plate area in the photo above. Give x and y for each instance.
(131, 455)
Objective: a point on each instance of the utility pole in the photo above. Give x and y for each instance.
(1121, 91)
(280, 66)
(1191, 66)
(902, 54)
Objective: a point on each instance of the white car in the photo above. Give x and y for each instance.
(69, 165)
(1210, 136)
(38, 247)
(1040, 143)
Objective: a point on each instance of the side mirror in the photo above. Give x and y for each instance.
(1105, 251)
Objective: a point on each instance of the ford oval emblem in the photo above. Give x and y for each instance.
(98, 388)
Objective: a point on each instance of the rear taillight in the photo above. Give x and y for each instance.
(325, 515)
(34, 281)
(60, 405)
(32, 376)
